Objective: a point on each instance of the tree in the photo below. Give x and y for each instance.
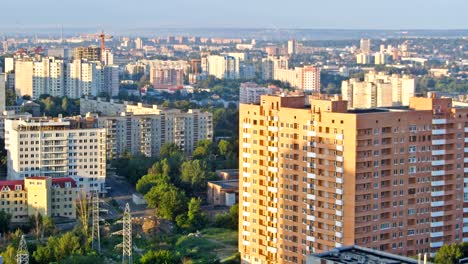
(159, 257)
(203, 149)
(83, 213)
(168, 201)
(224, 147)
(9, 255)
(229, 219)
(5, 220)
(37, 224)
(195, 217)
(448, 254)
(194, 175)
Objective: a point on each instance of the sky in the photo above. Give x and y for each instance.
(314, 14)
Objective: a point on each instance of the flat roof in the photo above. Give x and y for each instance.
(228, 184)
(360, 255)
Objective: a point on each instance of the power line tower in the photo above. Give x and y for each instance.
(96, 238)
(126, 233)
(22, 254)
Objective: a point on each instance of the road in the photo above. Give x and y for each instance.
(121, 192)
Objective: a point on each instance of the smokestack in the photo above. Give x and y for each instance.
(425, 258)
(419, 258)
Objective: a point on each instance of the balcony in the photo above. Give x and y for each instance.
(311, 133)
(438, 203)
(437, 214)
(439, 152)
(438, 183)
(437, 224)
(437, 234)
(438, 162)
(311, 176)
(439, 131)
(436, 244)
(440, 121)
(311, 154)
(438, 193)
(439, 142)
(438, 173)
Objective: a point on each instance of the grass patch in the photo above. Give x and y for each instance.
(222, 235)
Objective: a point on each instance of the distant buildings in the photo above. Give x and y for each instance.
(365, 46)
(318, 177)
(378, 89)
(59, 147)
(91, 53)
(2, 92)
(292, 47)
(51, 197)
(165, 78)
(48, 75)
(306, 78)
(140, 129)
(223, 67)
(249, 93)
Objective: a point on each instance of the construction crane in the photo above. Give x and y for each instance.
(103, 38)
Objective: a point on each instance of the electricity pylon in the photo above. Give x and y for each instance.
(22, 254)
(96, 238)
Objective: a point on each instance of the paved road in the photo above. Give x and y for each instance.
(121, 192)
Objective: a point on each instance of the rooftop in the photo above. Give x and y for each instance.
(358, 255)
(229, 184)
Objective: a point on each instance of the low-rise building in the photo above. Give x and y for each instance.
(51, 197)
(224, 193)
(357, 255)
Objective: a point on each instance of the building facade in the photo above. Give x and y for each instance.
(306, 78)
(141, 129)
(318, 177)
(223, 67)
(378, 90)
(59, 147)
(51, 197)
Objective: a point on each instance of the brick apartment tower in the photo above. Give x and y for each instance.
(314, 177)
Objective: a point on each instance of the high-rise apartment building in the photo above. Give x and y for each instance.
(47, 75)
(2, 92)
(51, 197)
(292, 47)
(107, 57)
(365, 46)
(59, 147)
(164, 78)
(378, 90)
(306, 78)
(91, 53)
(321, 176)
(223, 67)
(138, 43)
(140, 129)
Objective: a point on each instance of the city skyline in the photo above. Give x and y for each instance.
(336, 14)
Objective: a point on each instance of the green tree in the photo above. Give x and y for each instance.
(224, 147)
(229, 219)
(9, 255)
(448, 254)
(196, 219)
(65, 105)
(5, 220)
(159, 257)
(168, 201)
(203, 149)
(194, 175)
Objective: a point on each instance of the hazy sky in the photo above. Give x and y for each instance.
(349, 14)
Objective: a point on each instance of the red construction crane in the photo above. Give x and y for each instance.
(103, 38)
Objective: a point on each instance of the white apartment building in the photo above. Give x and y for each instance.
(141, 129)
(223, 67)
(48, 75)
(249, 93)
(378, 90)
(59, 147)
